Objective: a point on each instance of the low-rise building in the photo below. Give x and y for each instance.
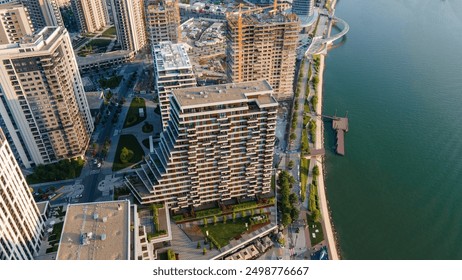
(96, 231)
(104, 60)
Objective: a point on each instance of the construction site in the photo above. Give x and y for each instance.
(262, 44)
(205, 40)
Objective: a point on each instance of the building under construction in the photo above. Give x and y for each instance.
(262, 45)
(163, 21)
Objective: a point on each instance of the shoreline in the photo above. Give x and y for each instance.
(325, 213)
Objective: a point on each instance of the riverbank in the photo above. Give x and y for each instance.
(326, 219)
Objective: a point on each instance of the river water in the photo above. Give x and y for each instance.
(397, 194)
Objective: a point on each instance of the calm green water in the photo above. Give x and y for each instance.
(397, 194)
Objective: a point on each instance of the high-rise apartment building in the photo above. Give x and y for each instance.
(43, 13)
(172, 70)
(91, 15)
(262, 46)
(303, 7)
(43, 108)
(218, 145)
(163, 21)
(130, 24)
(21, 226)
(15, 23)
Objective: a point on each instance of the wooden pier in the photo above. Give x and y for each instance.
(341, 126)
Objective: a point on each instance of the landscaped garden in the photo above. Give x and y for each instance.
(221, 232)
(128, 152)
(54, 237)
(147, 127)
(133, 116)
(110, 32)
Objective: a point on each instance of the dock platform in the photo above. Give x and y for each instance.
(341, 126)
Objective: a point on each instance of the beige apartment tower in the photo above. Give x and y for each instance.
(163, 21)
(43, 108)
(218, 145)
(92, 15)
(262, 46)
(15, 23)
(130, 24)
(43, 13)
(172, 70)
(21, 225)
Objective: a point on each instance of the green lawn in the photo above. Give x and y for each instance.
(317, 226)
(111, 32)
(62, 170)
(133, 117)
(130, 142)
(223, 233)
(304, 166)
(99, 43)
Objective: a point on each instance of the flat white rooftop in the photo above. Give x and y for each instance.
(96, 231)
(170, 56)
(225, 93)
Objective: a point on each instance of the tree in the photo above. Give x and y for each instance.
(293, 198)
(215, 219)
(293, 136)
(234, 217)
(126, 155)
(198, 245)
(224, 219)
(205, 222)
(243, 213)
(286, 219)
(316, 170)
(316, 215)
(294, 213)
(204, 251)
(291, 164)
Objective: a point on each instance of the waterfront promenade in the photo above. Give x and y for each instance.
(326, 219)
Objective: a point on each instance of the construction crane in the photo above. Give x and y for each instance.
(240, 34)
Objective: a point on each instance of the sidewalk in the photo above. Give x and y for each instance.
(326, 219)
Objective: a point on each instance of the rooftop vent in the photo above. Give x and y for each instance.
(95, 216)
(85, 238)
(104, 219)
(103, 236)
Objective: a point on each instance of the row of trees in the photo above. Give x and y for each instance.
(62, 170)
(288, 200)
(314, 203)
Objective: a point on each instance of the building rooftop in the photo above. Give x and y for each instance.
(10, 5)
(39, 41)
(265, 17)
(225, 93)
(96, 231)
(99, 57)
(170, 56)
(95, 99)
(43, 206)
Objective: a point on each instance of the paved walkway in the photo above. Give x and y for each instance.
(327, 224)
